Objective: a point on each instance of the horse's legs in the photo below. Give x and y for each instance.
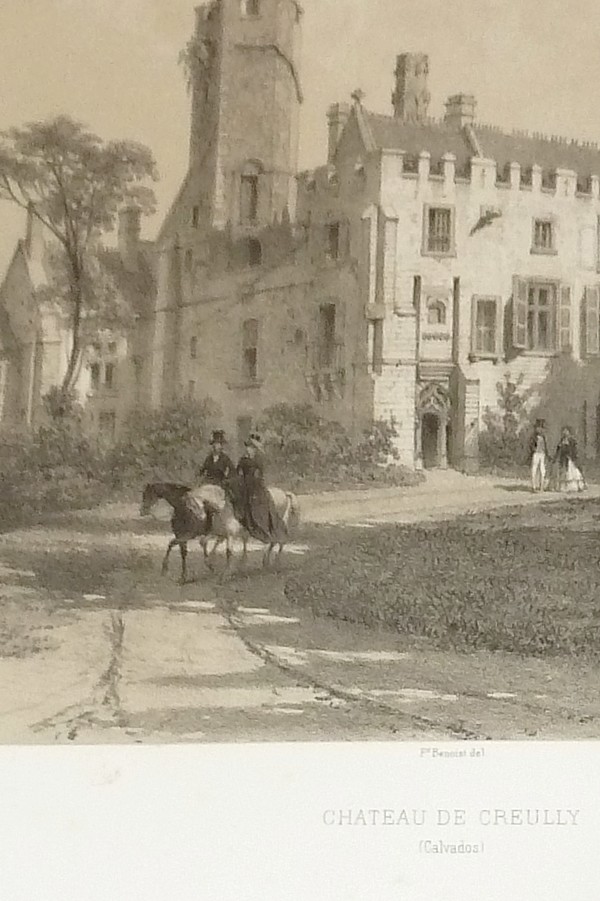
(216, 545)
(184, 552)
(244, 548)
(165, 565)
(204, 546)
(228, 553)
(267, 555)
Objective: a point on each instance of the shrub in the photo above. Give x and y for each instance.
(55, 468)
(296, 438)
(312, 452)
(168, 444)
(503, 442)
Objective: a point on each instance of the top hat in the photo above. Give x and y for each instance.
(253, 440)
(540, 424)
(218, 437)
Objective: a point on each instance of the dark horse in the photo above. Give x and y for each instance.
(189, 520)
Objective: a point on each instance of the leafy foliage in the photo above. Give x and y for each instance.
(503, 442)
(195, 58)
(75, 184)
(57, 467)
(305, 448)
(167, 444)
(60, 467)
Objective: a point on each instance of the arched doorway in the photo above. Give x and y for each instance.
(430, 429)
(433, 426)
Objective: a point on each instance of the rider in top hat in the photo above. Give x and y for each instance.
(217, 469)
(254, 505)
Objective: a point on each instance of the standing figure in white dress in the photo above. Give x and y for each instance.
(570, 477)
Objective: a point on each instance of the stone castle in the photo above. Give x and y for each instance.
(400, 280)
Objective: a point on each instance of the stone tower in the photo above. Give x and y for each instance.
(246, 97)
(411, 96)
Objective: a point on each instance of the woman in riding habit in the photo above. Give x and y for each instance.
(254, 505)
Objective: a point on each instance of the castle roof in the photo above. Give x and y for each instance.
(136, 287)
(438, 138)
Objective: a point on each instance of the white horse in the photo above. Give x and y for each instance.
(226, 528)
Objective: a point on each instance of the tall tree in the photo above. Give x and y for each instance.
(74, 183)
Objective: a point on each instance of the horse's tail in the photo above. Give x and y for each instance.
(291, 515)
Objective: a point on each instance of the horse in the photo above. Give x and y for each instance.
(225, 526)
(189, 520)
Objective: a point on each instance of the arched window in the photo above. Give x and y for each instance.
(249, 192)
(189, 261)
(436, 313)
(254, 252)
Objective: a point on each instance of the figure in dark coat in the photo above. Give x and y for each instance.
(254, 505)
(217, 469)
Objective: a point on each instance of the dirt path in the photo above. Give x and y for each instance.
(106, 650)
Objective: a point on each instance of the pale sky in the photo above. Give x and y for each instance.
(113, 65)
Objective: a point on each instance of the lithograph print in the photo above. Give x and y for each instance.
(299, 372)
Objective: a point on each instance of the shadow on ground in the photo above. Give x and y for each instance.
(115, 561)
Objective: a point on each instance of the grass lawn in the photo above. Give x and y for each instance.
(525, 581)
(490, 624)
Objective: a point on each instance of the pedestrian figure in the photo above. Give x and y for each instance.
(538, 456)
(253, 504)
(570, 477)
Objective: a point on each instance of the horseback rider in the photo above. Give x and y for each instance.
(217, 469)
(253, 505)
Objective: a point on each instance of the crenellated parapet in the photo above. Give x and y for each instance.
(485, 174)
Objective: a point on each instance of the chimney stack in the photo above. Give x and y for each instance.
(411, 96)
(460, 111)
(337, 116)
(129, 237)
